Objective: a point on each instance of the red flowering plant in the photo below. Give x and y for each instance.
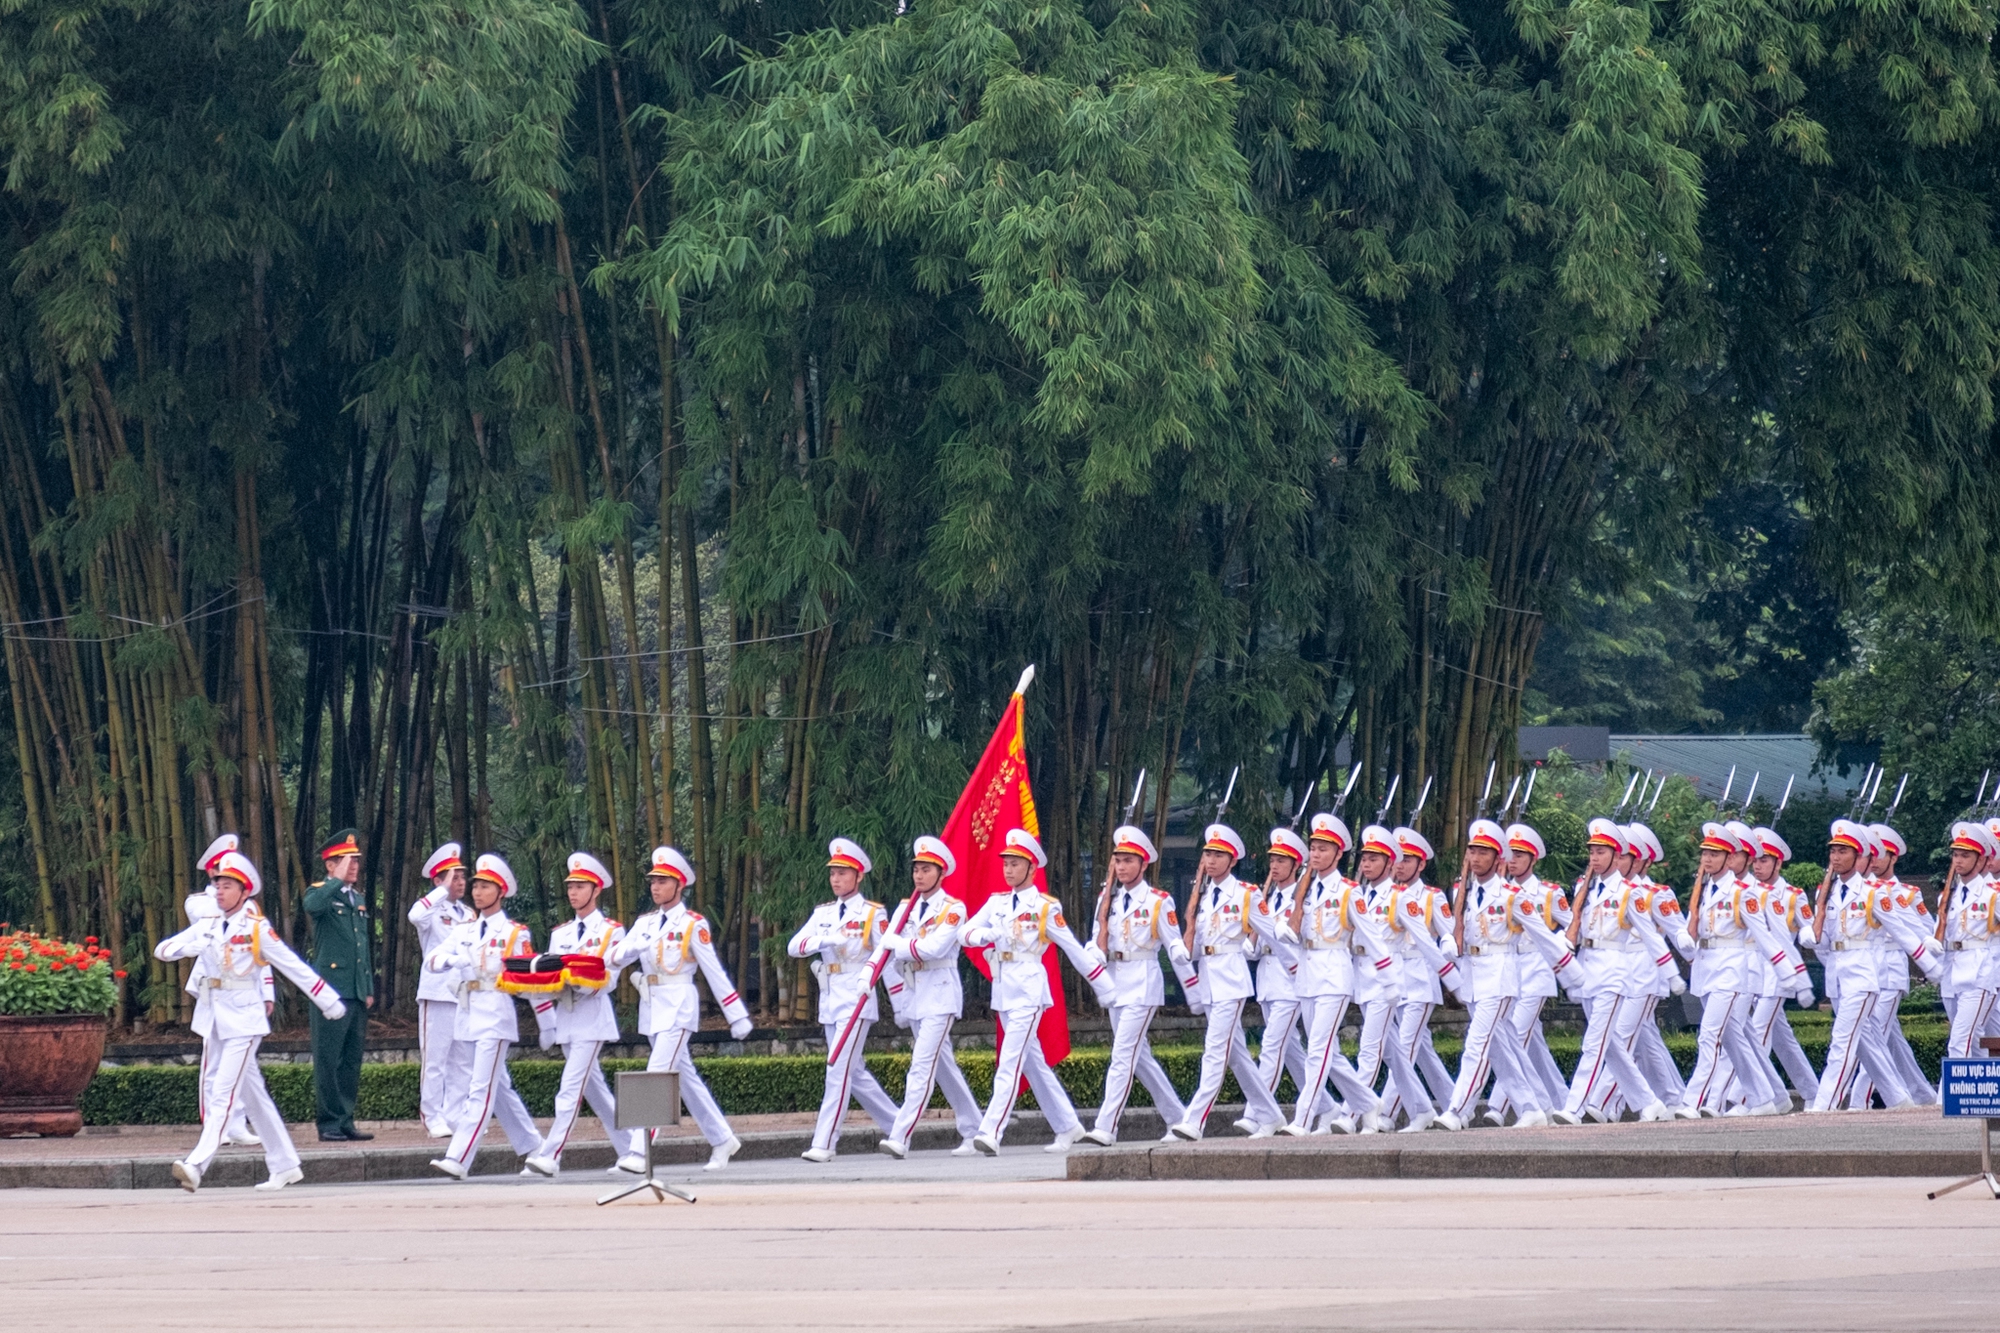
(40, 975)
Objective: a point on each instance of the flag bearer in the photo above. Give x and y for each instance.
(234, 948)
(928, 998)
(670, 944)
(840, 937)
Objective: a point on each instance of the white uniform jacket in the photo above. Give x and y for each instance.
(203, 907)
(670, 945)
(1618, 941)
(1016, 929)
(1548, 904)
(1734, 938)
(573, 1013)
(1492, 955)
(1341, 951)
(840, 936)
(1416, 912)
(473, 956)
(923, 968)
(1139, 922)
(1229, 920)
(1972, 934)
(1785, 909)
(233, 951)
(436, 915)
(1278, 960)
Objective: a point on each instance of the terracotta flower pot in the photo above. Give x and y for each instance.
(46, 1061)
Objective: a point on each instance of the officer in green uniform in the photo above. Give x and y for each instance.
(342, 954)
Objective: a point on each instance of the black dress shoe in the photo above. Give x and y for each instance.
(358, 1135)
(332, 1136)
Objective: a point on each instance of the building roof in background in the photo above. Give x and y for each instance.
(1585, 745)
(1706, 761)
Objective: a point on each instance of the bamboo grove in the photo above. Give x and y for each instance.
(553, 425)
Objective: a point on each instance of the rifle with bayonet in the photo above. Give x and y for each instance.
(1104, 894)
(1201, 879)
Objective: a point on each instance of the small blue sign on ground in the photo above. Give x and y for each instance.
(1972, 1088)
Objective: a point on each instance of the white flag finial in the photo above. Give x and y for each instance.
(1027, 678)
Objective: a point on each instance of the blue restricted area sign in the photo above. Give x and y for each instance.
(1972, 1088)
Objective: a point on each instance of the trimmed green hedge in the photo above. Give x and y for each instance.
(752, 1085)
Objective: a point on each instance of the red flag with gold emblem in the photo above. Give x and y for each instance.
(997, 800)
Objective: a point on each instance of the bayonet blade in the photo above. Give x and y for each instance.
(1529, 794)
(1897, 799)
(1626, 799)
(1513, 790)
(1422, 797)
(1389, 799)
(1228, 792)
(1786, 799)
(1751, 795)
(1138, 789)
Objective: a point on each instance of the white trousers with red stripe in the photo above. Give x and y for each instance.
(1972, 1013)
(447, 1062)
(211, 1052)
(583, 1078)
(1324, 1061)
(1857, 1040)
(235, 1089)
(1727, 1049)
(1775, 1035)
(1021, 1057)
(1648, 1050)
(1280, 1049)
(670, 1055)
(1492, 1047)
(490, 1092)
(850, 1078)
(934, 1066)
(1132, 1057)
(1223, 1049)
(1405, 1091)
(1611, 1028)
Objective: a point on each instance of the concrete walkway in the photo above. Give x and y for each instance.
(1831, 1256)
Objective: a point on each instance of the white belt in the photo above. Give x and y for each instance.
(1728, 944)
(1324, 944)
(233, 982)
(1614, 946)
(1489, 950)
(1844, 946)
(1223, 949)
(1973, 946)
(481, 985)
(920, 965)
(1131, 955)
(669, 978)
(1016, 955)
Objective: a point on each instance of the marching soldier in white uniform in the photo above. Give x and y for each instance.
(1912, 928)
(1416, 914)
(473, 956)
(927, 997)
(1491, 956)
(1339, 949)
(1016, 928)
(1134, 923)
(234, 947)
(840, 937)
(446, 1062)
(1785, 908)
(1547, 903)
(1277, 970)
(1226, 920)
(1969, 929)
(1851, 927)
(201, 906)
(580, 1019)
(669, 945)
(1663, 910)
(1617, 940)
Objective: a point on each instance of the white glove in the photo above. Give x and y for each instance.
(1805, 999)
(740, 1029)
(336, 1010)
(891, 941)
(1095, 955)
(1448, 945)
(1198, 1009)
(978, 939)
(1676, 985)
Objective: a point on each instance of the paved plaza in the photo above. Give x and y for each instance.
(949, 1243)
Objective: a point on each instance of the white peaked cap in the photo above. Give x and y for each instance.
(669, 861)
(239, 867)
(495, 870)
(1020, 842)
(448, 857)
(932, 851)
(228, 842)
